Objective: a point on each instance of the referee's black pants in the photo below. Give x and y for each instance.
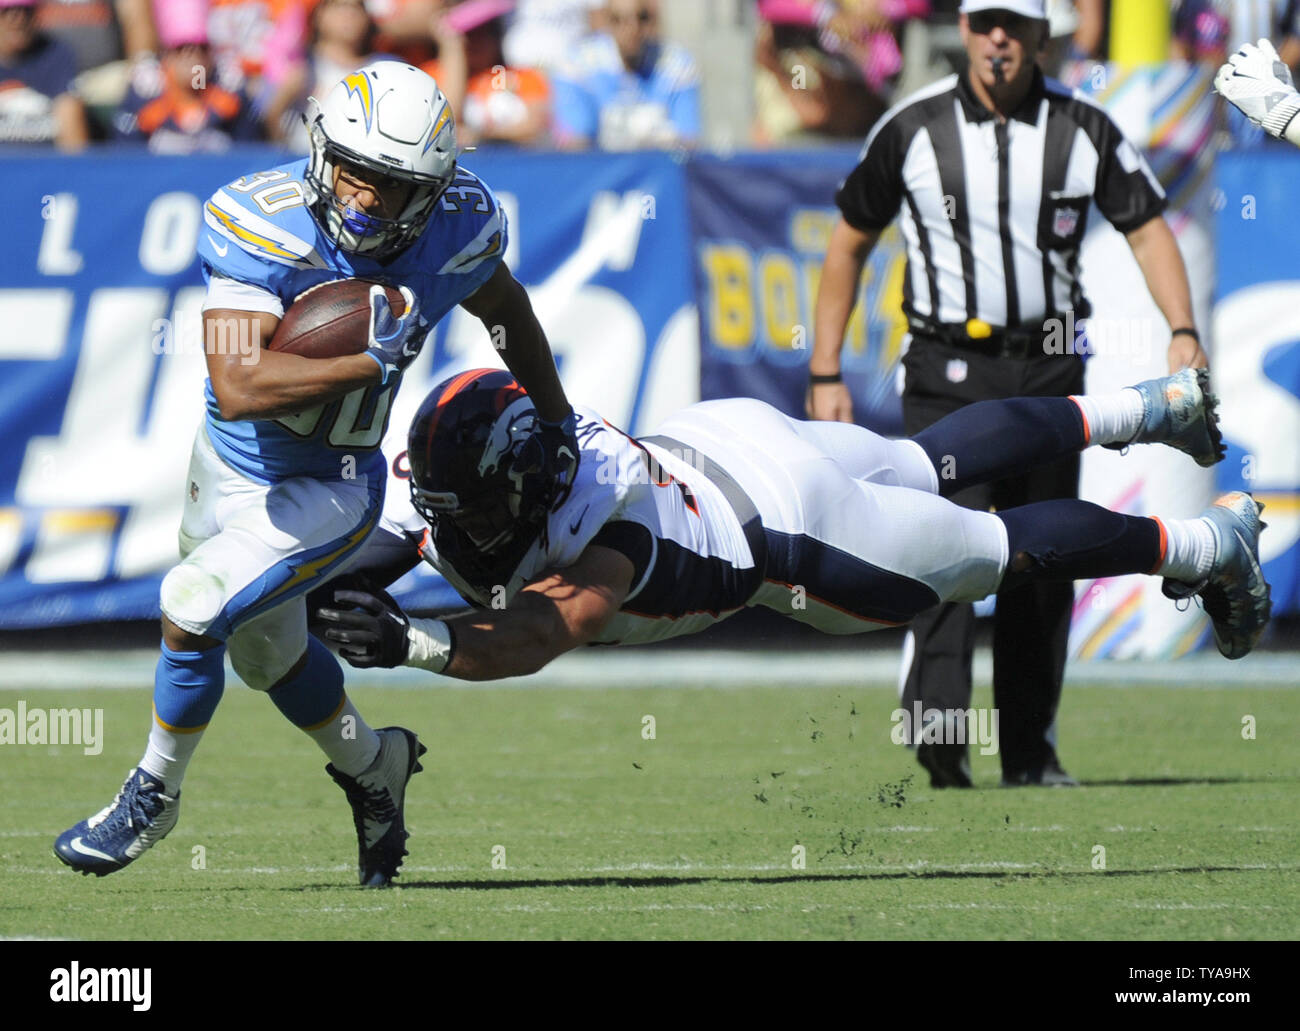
(1032, 623)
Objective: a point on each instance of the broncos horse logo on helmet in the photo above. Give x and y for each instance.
(478, 471)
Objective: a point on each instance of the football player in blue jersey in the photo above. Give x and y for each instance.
(286, 480)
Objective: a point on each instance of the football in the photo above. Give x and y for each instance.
(330, 319)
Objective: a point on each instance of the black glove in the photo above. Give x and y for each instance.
(373, 631)
(559, 443)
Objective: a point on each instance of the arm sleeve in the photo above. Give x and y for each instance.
(872, 193)
(634, 542)
(1127, 191)
(233, 295)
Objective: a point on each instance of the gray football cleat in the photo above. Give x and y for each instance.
(1235, 594)
(1181, 413)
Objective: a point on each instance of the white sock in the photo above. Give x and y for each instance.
(1189, 549)
(1111, 418)
(168, 754)
(347, 739)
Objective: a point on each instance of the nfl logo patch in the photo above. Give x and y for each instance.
(1065, 223)
(956, 370)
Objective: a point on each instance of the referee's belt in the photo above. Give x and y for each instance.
(1025, 341)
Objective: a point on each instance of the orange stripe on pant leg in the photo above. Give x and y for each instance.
(1164, 545)
(1087, 430)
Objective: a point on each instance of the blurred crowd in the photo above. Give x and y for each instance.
(198, 75)
(183, 76)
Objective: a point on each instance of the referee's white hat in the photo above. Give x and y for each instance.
(1027, 8)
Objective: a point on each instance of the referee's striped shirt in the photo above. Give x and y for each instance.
(993, 212)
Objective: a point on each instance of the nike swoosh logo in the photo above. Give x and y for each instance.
(219, 248)
(577, 523)
(85, 850)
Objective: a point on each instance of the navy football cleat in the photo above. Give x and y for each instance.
(1235, 595)
(377, 796)
(1181, 412)
(140, 816)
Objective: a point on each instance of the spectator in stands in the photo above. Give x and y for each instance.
(342, 37)
(38, 102)
(406, 27)
(626, 88)
(814, 60)
(188, 110)
(543, 33)
(492, 102)
(108, 38)
(99, 32)
(256, 42)
(1200, 32)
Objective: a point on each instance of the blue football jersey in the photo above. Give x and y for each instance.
(260, 231)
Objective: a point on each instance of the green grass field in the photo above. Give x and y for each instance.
(691, 834)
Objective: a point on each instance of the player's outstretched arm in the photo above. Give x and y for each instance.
(252, 382)
(502, 305)
(556, 613)
(1258, 83)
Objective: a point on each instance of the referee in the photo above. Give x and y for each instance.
(991, 174)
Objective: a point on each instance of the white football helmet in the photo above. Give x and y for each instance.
(390, 118)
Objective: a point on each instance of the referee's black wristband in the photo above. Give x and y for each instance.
(831, 377)
(1187, 331)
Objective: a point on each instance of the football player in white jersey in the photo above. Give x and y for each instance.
(731, 503)
(1257, 82)
(286, 480)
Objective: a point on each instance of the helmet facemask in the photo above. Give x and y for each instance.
(355, 231)
(390, 120)
(501, 500)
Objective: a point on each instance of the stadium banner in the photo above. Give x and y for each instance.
(1257, 356)
(100, 396)
(761, 224)
(98, 404)
(1169, 111)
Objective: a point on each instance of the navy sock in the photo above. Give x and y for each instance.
(1075, 540)
(990, 440)
(316, 693)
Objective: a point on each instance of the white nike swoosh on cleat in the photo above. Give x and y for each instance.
(85, 850)
(220, 249)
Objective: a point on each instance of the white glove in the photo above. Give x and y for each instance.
(1258, 84)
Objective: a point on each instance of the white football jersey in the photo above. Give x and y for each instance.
(847, 525)
(693, 563)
